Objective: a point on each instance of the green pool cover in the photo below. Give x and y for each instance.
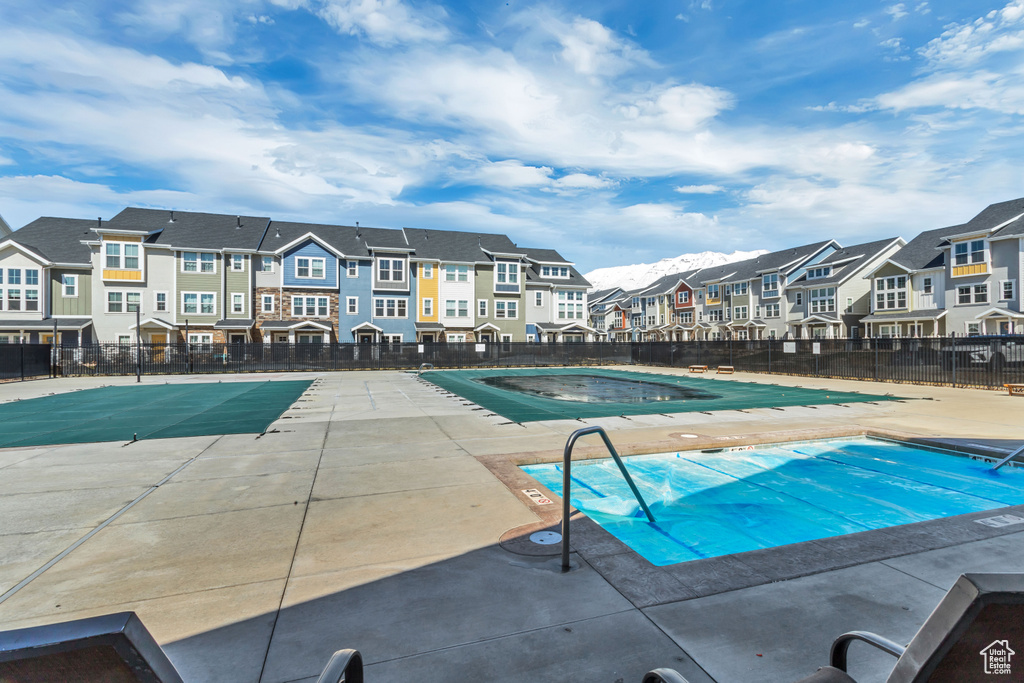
(527, 395)
(151, 411)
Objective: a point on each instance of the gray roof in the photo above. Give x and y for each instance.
(429, 327)
(5, 229)
(750, 269)
(192, 230)
(667, 283)
(903, 315)
(234, 324)
(46, 324)
(861, 255)
(342, 238)
(921, 253)
(550, 256)
(58, 240)
(452, 245)
(996, 214)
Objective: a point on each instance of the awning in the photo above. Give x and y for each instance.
(46, 324)
(234, 324)
(905, 316)
(285, 325)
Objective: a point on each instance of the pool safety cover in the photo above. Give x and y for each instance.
(527, 395)
(150, 411)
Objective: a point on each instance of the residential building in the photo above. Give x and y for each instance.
(557, 307)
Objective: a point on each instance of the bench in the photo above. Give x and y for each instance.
(726, 369)
(698, 368)
(1015, 389)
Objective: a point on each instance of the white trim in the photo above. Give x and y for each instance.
(64, 287)
(349, 263)
(124, 300)
(241, 296)
(309, 267)
(385, 299)
(263, 303)
(156, 308)
(244, 259)
(199, 302)
(349, 309)
(309, 236)
(199, 262)
(316, 306)
(425, 313)
(481, 308)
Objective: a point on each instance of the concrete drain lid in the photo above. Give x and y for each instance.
(686, 436)
(546, 537)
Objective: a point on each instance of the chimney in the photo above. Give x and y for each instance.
(357, 224)
(238, 222)
(99, 221)
(172, 217)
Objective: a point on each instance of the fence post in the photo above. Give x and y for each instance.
(21, 349)
(874, 342)
(952, 346)
(769, 355)
(730, 349)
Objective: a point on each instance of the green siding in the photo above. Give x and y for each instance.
(238, 282)
(80, 305)
(199, 282)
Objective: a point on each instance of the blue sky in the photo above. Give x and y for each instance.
(616, 132)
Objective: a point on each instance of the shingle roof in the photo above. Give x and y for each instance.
(996, 214)
(547, 256)
(58, 240)
(750, 269)
(341, 238)
(863, 253)
(193, 230)
(453, 245)
(921, 253)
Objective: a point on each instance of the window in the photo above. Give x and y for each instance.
(115, 302)
(389, 308)
(456, 273)
(740, 289)
(124, 339)
(456, 338)
(815, 273)
(428, 308)
(189, 261)
(31, 299)
(683, 297)
(310, 268)
(926, 285)
(391, 270)
(160, 302)
(969, 252)
(237, 303)
(428, 271)
(507, 273)
(69, 285)
(481, 311)
(799, 298)
(712, 292)
(31, 278)
(686, 317)
(715, 315)
(771, 310)
(770, 284)
(203, 303)
(391, 338)
(310, 306)
(823, 300)
(981, 294)
(456, 309)
(268, 264)
(545, 271)
(973, 329)
(1007, 290)
(849, 304)
(14, 276)
(200, 338)
(636, 302)
(963, 294)
(968, 294)
(891, 292)
(728, 290)
(237, 263)
(538, 298)
(114, 252)
(739, 313)
(268, 303)
(506, 309)
(352, 305)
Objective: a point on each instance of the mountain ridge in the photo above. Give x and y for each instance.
(642, 274)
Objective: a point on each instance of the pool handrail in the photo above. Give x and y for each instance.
(423, 366)
(567, 483)
(1008, 458)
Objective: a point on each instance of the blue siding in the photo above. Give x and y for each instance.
(358, 287)
(311, 249)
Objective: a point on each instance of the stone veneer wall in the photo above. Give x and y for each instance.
(284, 313)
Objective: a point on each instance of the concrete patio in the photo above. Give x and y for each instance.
(369, 516)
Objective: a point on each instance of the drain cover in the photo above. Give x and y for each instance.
(546, 537)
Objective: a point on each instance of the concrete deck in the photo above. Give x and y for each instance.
(369, 516)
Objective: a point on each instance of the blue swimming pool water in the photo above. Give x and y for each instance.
(708, 504)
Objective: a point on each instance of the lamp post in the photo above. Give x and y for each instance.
(138, 342)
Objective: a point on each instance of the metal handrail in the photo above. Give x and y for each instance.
(664, 675)
(567, 483)
(1008, 458)
(345, 665)
(422, 366)
(840, 646)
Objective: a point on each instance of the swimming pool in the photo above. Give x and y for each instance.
(712, 503)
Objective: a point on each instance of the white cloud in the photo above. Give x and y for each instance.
(509, 174)
(923, 8)
(700, 189)
(592, 49)
(977, 90)
(897, 11)
(207, 24)
(385, 22)
(968, 43)
(862, 23)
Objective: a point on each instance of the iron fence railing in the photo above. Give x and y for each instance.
(952, 361)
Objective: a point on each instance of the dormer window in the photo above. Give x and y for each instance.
(815, 273)
(965, 253)
(391, 270)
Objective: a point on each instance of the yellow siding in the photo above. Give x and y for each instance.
(130, 275)
(122, 238)
(709, 300)
(428, 289)
(973, 269)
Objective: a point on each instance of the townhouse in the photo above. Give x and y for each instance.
(168, 276)
(557, 305)
(962, 279)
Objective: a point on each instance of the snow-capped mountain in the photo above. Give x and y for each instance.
(643, 274)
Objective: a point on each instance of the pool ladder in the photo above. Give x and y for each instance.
(567, 484)
(1008, 458)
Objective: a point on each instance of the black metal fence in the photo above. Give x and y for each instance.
(952, 361)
